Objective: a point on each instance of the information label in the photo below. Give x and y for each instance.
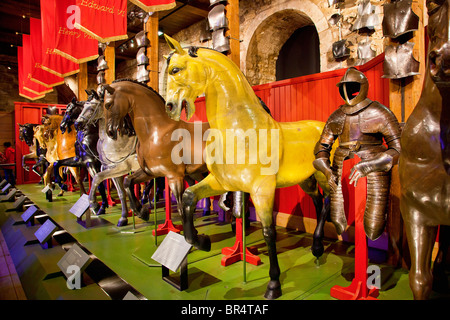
(74, 257)
(172, 251)
(6, 187)
(28, 213)
(47, 187)
(44, 233)
(80, 207)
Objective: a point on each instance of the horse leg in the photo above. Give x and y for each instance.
(191, 181)
(129, 182)
(69, 162)
(76, 172)
(208, 187)
(263, 195)
(101, 188)
(118, 182)
(421, 239)
(440, 281)
(310, 186)
(176, 184)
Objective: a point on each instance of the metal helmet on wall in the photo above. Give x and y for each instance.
(353, 86)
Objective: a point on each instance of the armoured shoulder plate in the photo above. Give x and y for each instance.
(219, 41)
(217, 18)
(399, 18)
(399, 61)
(141, 39)
(335, 123)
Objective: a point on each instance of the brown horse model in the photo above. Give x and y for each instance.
(59, 146)
(424, 163)
(158, 136)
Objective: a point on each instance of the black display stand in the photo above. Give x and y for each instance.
(182, 282)
(18, 204)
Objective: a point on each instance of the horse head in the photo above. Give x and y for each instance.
(117, 106)
(91, 110)
(73, 110)
(26, 132)
(439, 49)
(51, 125)
(187, 79)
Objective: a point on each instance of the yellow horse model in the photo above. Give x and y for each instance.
(247, 150)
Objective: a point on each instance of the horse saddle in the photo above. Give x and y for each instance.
(102, 64)
(205, 33)
(340, 49)
(217, 18)
(141, 57)
(367, 17)
(219, 41)
(399, 62)
(399, 18)
(365, 52)
(141, 39)
(142, 74)
(214, 2)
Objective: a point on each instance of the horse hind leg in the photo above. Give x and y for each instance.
(421, 239)
(118, 182)
(263, 197)
(310, 186)
(139, 176)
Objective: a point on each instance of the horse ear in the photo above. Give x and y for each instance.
(74, 100)
(174, 45)
(87, 92)
(93, 92)
(110, 89)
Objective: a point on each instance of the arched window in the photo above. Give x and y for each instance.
(300, 54)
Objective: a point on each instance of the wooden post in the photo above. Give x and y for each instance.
(403, 97)
(110, 57)
(232, 10)
(152, 26)
(82, 78)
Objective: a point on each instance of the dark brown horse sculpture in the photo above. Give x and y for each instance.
(64, 146)
(424, 164)
(156, 134)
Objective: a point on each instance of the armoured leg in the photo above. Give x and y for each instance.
(376, 204)
(337, 211)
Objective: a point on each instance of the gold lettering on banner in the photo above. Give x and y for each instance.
(71, 33)
(92, 4)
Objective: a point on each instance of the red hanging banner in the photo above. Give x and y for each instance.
(52, 62)
(39, 75)
(22, 91)
(64, 38)
(27, 66)
(155, 5)
(104, 20)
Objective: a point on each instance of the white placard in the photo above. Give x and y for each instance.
(47, 187)
(28, 213)
(172, 251)
(80, 207)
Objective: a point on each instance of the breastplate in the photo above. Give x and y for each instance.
(367, 18)
(340, 49)
(365, 52)
(399, 61)
(399, 18)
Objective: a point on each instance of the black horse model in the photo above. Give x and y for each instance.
(85, 146)
(26, 133)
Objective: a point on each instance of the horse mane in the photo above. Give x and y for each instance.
(141, 84)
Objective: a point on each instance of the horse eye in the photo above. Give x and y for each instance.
(175, 70)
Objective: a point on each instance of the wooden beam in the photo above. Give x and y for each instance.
(110, 57)
(152, 26)
(232, 10)
(82, 77)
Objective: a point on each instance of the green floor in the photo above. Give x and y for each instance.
(129, 256)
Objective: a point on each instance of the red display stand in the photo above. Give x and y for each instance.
(168, 224)
(236, 253)
(358, 289)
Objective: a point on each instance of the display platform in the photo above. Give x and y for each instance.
(125, 255)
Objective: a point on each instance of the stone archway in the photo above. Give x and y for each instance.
(265, 34)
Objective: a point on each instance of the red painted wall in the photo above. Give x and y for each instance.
(312, 97)
(28, 113)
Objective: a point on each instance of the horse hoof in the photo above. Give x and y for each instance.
(206, 213)
(144, 213)
(204, 243)
(64, 187)
(273, 290)
(317, 248)
(122, 222)
(60, 194)
(101, 211)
